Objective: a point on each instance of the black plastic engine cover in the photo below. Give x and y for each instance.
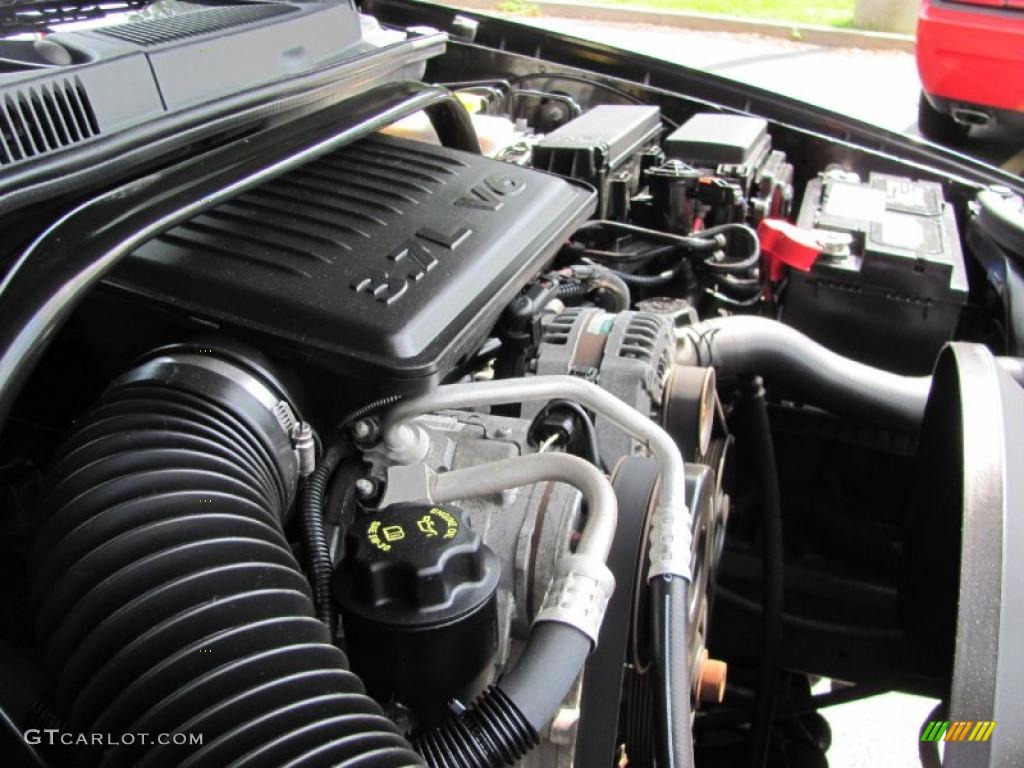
(389, 259)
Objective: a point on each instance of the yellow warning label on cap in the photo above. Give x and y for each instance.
(436, 523)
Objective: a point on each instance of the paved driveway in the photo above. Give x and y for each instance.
(880, 87)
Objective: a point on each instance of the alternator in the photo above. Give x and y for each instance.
(629, 354)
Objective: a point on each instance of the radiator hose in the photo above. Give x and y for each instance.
(168, 598)
(744, 345)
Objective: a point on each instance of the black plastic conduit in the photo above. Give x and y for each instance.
(313, 502)
(314, 535)
(168, 598)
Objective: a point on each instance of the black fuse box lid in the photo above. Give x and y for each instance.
(710, 139)
(618, 131)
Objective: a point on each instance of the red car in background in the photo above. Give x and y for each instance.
(970, 54)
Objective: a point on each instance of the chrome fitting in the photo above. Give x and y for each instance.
(671, 543)
(305, 448)
(578, 595)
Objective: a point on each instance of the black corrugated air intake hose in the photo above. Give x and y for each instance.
(168, 598)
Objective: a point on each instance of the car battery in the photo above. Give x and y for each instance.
(890, 283)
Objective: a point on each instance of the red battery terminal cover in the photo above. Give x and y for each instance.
(786, 245)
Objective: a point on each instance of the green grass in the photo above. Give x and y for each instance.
(519, 7)
(832, 13)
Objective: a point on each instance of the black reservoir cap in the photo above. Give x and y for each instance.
(709, 139)
(413, 564)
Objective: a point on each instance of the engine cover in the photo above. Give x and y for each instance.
(388, 260)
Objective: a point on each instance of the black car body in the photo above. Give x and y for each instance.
(331, 440)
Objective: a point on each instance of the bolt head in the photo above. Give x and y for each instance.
(365, 488)
(362, 429)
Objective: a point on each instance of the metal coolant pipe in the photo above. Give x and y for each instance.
(598, 532)
(670, 534)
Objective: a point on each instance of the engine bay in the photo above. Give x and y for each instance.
(533, 418)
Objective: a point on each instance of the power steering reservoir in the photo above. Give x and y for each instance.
(417, 592)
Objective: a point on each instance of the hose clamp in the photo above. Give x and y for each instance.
(299, 433)
(304, 444)
(279, 408)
